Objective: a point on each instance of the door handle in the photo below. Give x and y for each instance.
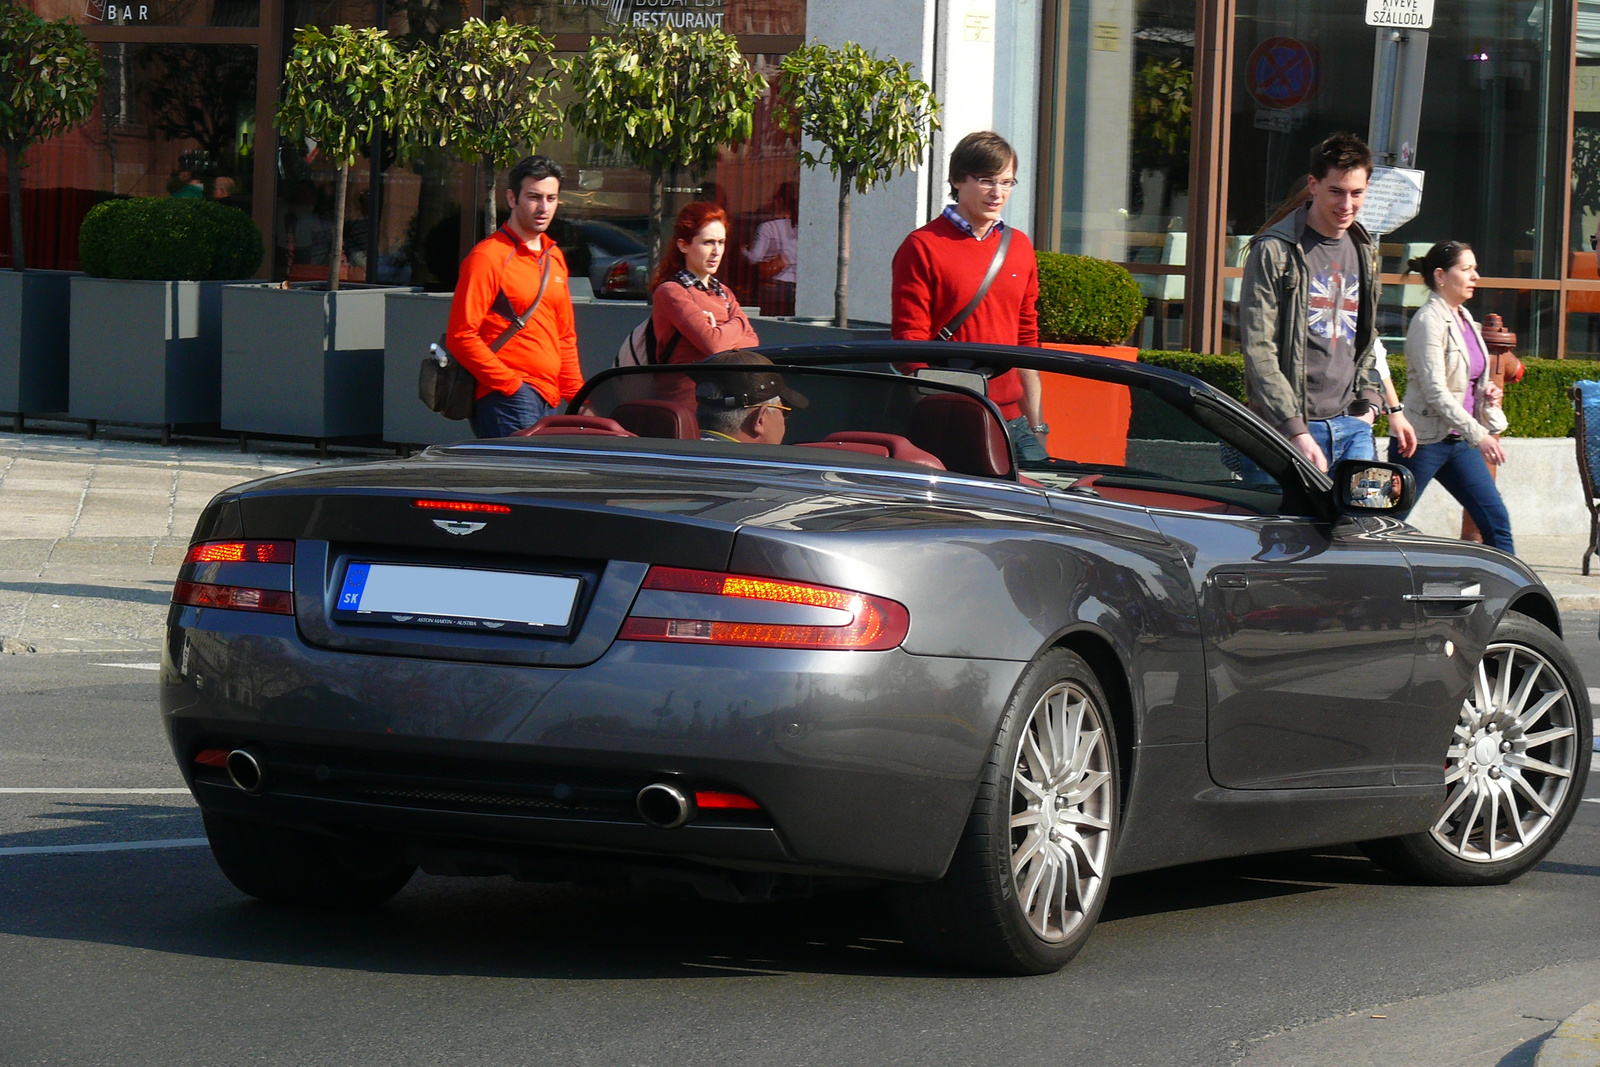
(1231, 580)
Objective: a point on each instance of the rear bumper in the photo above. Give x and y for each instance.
(864, 764)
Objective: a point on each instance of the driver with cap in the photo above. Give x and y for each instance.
(749, 407)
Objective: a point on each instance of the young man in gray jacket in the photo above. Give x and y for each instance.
(1307, 311)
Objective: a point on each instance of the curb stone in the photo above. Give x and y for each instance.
(1575, 1043)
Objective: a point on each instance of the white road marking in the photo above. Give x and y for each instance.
(106, 846)
(157, 667)
(1594, 695)
(105, 792)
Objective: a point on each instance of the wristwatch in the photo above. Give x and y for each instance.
(1043, 427)
(1393, 409)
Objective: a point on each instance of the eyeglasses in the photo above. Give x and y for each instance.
(775, 403)
(989, 185)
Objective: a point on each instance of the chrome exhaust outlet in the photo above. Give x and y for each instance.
(246, 771)
(664, 806)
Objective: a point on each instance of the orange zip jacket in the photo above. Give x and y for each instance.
(545, 352)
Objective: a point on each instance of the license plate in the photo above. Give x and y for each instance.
(458, 598)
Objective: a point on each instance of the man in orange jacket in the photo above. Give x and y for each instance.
(528, 375)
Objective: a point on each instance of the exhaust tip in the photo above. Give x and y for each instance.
(664, 806)
(246, 771)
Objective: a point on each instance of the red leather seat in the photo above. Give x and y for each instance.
(860, 447)
(962, 434)
(658, 418)
(574, 426)
(893, 445)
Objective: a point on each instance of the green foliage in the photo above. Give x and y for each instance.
(667, 99)
(1083, 300)
(870, 117)
(341, 87)
(50, 77)
(490, 91)
(169, 240)
(1537, 406)
(1163, 101)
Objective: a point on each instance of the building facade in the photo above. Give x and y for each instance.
(1155, 133)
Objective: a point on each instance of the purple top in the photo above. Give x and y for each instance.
(1477, 363)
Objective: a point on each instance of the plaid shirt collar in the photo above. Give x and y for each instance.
(965, 227)
(689, 281)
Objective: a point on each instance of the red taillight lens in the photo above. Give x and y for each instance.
(875, 623)
(726, 801)
(616, 276)
(462, 505)
(241, 552)
(238, 598)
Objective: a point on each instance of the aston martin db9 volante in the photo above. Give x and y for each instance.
(776, 630)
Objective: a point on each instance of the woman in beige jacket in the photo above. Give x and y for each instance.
(1452, 403)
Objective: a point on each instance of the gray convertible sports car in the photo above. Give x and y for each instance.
(649, 642)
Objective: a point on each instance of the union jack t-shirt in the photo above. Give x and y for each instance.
(1334, 305)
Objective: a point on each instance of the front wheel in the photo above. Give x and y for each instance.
(1515, 770)
(1029, 876)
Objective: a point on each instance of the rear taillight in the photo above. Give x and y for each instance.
(237, 597)
(240, 552)
(864, 623)
(616, 279)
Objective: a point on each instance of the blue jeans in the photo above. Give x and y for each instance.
(1461, 469)
(1342, 437)
(498, 415)
(1028, 446)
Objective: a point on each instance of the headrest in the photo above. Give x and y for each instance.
(894, 446)
(657, 418)
(962, 433)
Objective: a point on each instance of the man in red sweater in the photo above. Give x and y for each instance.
(939, 267)
(532, 372)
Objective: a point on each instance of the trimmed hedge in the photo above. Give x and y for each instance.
(1086, 301)
(1537, 406)
(165, 239)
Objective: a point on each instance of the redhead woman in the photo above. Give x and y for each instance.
(695, 316)
(1453, 404)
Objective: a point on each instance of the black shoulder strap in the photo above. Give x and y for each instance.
(993, 272)
(502, 302)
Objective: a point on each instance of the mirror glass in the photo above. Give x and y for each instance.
(966, 379)
(1373, 488)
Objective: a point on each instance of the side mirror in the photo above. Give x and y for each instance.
(976, 381)
(1367, 485)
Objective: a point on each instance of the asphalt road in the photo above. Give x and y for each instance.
(146, 955)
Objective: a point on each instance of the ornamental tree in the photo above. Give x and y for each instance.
(490, 97)
(867, 119)
(339, 89)
(50, 79)
(668, 100)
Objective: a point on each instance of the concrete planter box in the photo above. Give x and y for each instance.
(413, 321)
(303, 362)
(145, 353)
(34, 327)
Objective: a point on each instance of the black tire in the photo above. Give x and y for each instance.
(1515, 774)
(976, 916)
(284, 866)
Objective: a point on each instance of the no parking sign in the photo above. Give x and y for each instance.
(1281, 73)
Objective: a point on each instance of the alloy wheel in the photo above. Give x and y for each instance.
(1511, 761)
(1061, 812)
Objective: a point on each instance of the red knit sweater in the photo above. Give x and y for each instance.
(939, 267)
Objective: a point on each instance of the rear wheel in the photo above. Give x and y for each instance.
(1515, 769)
(1030, 873)
(287, 866)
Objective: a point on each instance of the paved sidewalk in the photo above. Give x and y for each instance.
(92, 532)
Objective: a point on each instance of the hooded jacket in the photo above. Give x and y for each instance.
(1274, 307)
(1436, 376)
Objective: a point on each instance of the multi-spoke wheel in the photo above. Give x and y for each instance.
(1029, 876)
(1515, 769)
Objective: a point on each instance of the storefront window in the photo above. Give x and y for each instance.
(153, 12)
(170, 117)
(1122, 132)
(1487, 141)
(1583, 305)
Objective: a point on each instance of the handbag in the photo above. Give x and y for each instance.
(989, 276)
(443, 384)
